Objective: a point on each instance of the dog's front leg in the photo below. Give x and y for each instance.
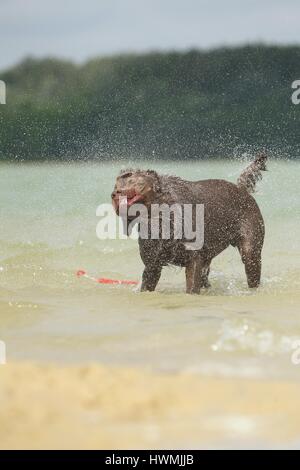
(151, 276)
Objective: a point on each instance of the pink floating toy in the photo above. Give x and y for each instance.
(82, 273)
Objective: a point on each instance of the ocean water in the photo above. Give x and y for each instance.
(48, 232)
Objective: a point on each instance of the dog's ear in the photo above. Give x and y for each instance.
(156, 180)
(126, 173)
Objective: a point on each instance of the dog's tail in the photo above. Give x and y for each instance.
(252, 173)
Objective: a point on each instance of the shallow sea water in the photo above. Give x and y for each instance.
(48, 215)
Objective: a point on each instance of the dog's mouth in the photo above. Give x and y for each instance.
(125, 201)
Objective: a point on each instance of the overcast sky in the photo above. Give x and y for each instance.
(81, 29)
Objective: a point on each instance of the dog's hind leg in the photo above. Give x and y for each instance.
(251, 257)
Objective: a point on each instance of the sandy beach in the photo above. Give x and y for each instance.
(95, 407)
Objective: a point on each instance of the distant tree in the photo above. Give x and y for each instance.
(165, 105)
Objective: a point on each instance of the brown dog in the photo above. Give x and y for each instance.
(231, 217)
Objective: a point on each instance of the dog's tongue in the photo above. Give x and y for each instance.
(129, 201)
(134, 199)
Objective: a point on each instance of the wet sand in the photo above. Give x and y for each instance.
(96, 407)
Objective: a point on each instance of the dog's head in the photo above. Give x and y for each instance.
(137, 186)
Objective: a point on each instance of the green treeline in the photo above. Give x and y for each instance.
(165, 105)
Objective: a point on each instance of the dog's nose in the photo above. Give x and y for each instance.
(115, 194)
